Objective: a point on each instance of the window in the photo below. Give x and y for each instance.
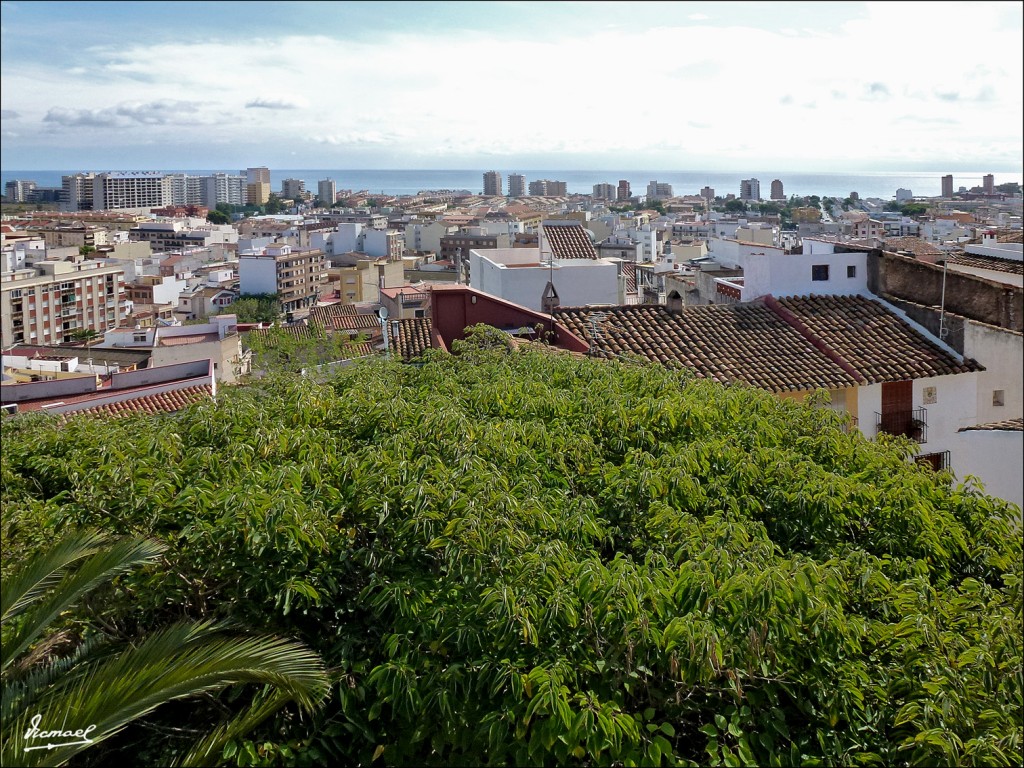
(819, 272)
(998, 397)
(851, 271)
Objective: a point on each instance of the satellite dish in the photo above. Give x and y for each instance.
(382, 313)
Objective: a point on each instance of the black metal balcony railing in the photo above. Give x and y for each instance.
(937, 461)
(912, 424)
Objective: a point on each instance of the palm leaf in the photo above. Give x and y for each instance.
(180, 661)
(207, 751)
(112, 559)
(44, 571)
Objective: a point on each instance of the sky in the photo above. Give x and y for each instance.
(803, 86)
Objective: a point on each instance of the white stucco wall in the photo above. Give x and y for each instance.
(782, 274)
(954, 406)
(1002, 353)
(995, 457)
(347, 237)
(577, 281)
(257, 274)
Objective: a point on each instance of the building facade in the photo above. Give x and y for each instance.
(516, 185)
(132, 190)
(658, 191)
(777, 192)
(750, 189)
(947, 185)
(327, 192)
(492, 183)
(293, 189)
(48, 303)
(296, 275)
(19, 191)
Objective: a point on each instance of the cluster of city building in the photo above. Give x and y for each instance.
(123, 300)
(145, 190)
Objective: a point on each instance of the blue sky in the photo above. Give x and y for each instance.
(719, 86)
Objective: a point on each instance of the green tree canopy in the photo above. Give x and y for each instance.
(218, 217)
(913, 209)
(521, 557)
(256, 308)
(274, 204)
(735, 206)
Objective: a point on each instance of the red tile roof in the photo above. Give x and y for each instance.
(192, 338)
(413, 337)
(795, 344)
(875, 342)
(164, 402)
(915, 245)
(569, 241)
(993, 263)
(1007, 425)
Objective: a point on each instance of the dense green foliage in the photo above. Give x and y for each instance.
(256, 308)
(89, 695)
(280, 350)
(525, 557)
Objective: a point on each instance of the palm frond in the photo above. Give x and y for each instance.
(207, 751)
(111, 559)
(180, 661)
(44, 571)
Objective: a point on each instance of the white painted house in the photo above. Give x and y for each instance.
(565, 257)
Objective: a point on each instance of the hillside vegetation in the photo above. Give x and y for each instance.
(514, 557)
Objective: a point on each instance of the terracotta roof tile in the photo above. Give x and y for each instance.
(915, 245)
(413, 337)
(803, 343)
(164, 402)
(724, 342)
(569, 241)
(1007, 425)
(988, 262)
(874, 341)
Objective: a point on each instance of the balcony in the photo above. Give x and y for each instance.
(937, 461)
(413, 299)
(912, 424)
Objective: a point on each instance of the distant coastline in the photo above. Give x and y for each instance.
(407, 182)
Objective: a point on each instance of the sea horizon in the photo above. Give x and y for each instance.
(867, 184)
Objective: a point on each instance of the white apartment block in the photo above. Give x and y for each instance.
(223, 188)
(296, 275)
(46, 303)
(76, 194)
(327, 191)
(750, 189)
(134, 190)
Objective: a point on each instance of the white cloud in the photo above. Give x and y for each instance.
(273, 102)
(451, 94)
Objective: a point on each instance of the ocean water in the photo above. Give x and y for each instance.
(407, 182)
